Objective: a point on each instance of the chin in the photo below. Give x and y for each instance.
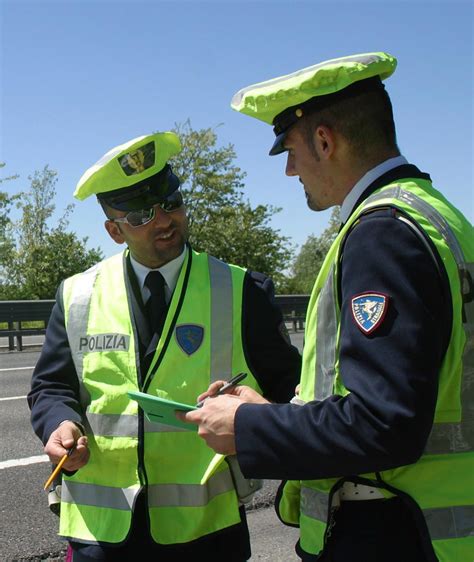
(312, 204)
(170, 252)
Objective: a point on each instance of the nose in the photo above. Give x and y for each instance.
(290, 165)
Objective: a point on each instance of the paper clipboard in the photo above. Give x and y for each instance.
(161, 410)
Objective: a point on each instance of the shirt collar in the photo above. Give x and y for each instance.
(365, 181)
(170, 272)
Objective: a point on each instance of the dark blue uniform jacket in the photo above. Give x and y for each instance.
(392, 374)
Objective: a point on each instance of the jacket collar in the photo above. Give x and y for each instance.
(398, 173)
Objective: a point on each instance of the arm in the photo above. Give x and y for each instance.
(392, 375)
(274, 362)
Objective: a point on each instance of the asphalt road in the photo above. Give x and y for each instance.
(28, 530)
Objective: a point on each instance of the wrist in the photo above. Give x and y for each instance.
(77, 424)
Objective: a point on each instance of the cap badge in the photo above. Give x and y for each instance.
(136, 160)
(139, 160)
(368, 310)
(189, 337)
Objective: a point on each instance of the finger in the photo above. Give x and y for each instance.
(55, 450)
(77, 460)
(240, 390)
(188, 417)
(213, 388)
(75, 441)
(247, 394)
(82, 441)
(68, 441)
(180, 415)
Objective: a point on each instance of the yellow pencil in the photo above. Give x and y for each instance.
(58, 468)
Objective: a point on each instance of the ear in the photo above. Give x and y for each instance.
(324, 141)
(114, 232)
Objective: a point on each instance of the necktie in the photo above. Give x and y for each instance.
(156, 304)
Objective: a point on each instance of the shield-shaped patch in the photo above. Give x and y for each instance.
(189, 337)
(368, 310)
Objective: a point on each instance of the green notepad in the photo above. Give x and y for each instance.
(161, 410)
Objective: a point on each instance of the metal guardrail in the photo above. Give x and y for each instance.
(16, 313)
(293, 308)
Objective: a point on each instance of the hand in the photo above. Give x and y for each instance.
(216, 422)
(61, 440)
(244, 392)
(217, 415)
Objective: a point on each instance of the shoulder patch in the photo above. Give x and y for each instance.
(368, 310)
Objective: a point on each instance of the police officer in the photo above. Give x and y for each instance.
(166, 320)
(378, 451)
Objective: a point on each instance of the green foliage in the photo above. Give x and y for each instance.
(308, 262)
(6, 202)
(40, 257)
(221, 222)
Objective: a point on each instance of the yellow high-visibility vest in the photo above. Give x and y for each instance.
(441, 482)
(201, 342)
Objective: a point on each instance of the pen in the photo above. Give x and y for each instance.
(58, 467)
(233, 381)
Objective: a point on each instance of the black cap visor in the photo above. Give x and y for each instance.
(143, 194)
(279, 144)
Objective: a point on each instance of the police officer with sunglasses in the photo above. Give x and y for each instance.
(163, 319)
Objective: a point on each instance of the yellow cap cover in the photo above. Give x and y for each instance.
(268, 99)
(128, 164)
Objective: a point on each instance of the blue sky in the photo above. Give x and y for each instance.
(78, 78)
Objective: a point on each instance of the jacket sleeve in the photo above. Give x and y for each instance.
(54, 394)
(275, 363)
(392, 374)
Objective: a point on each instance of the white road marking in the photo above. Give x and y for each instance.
(23, 462)
(16, 369)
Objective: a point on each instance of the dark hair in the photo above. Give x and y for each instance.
(365, 121)
(106, 208)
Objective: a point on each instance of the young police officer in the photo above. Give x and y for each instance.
(380, 458)
(166, 320)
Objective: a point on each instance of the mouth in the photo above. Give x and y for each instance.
(165, 235)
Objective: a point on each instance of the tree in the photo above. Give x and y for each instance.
(6, 202)
(221, 222)
(40, 256)
(310, 259)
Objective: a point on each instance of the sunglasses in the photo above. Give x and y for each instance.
(139, 218)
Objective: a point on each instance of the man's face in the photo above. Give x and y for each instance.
(156, 243)
(304, 161)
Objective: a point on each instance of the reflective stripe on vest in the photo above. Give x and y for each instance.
(445, 437)
(123, 425)
(159, 495)
(327, 331)
(221, 319)
(77, 320)
(443, 522)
